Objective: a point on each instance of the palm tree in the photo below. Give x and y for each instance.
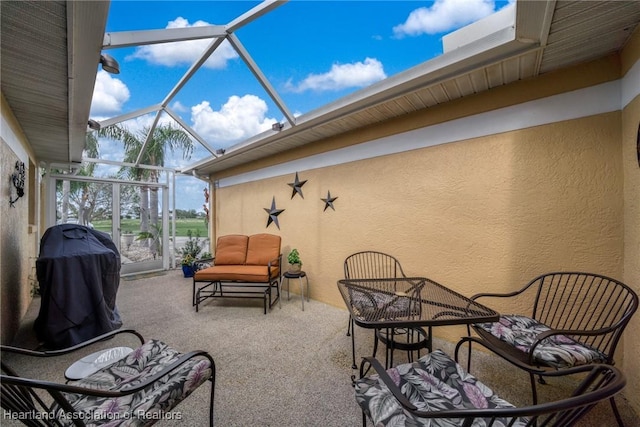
(163, 138)
(85, 205)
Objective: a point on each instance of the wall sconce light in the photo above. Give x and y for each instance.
(109, 64)
(17, 178)
(277, 127)
(94, 125)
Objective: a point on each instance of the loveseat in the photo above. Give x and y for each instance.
(243, 267)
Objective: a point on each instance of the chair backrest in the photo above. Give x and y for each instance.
(231, 249)
(372, 265)
(263, 248)
(587, 302)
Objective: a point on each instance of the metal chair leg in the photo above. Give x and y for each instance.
(534, 392)
(375, 342)
(349, 326)
(616, 412)
(353, 344)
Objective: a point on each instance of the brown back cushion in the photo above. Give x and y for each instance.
(262, 249)
(231, 249)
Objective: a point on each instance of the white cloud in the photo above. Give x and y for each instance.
(342, 76)
(179, 107)
(109, 95)
(444, 15)
(241, 117)
(186, 52)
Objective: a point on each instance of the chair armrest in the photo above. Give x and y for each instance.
(506, 294)
(386, 379)
(275, 261)
(495, 295)
(271, 264)
(51, 353)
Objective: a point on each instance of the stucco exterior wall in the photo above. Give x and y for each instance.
(484, 214)
(631, 275)
(17, 248)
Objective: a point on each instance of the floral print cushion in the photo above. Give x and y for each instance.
(379, 305)
(558, 351)
(145, 407)
(434, 383)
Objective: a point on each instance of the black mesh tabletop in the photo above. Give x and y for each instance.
(409, 302)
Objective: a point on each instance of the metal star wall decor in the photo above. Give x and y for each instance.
(297, 186)
(328, 202)
(273, 213)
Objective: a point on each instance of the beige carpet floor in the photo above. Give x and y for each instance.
(287, 368)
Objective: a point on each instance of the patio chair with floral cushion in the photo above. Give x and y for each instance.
(576, 319)
(137, 390)
(436, 391)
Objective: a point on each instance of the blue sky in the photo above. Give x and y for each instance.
(312, 53)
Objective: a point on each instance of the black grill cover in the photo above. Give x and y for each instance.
(79, 273)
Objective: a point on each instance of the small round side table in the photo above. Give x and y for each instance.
(299, 275)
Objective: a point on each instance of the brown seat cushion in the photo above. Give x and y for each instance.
(240, 273)
(231, 249)
(262, 249)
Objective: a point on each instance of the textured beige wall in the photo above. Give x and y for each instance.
(18, 240)
(15, 251)
(630, 134)
(484, 214)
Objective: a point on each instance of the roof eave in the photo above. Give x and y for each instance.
(86, 24)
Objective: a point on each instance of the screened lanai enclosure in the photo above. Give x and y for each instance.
(124, 172)
(114, 206)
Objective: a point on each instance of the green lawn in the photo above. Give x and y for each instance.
(182, 225)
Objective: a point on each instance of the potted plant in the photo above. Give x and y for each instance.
(128, 238)
(294, 260)
(187, 265)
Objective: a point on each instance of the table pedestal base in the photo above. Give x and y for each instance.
(405, 339)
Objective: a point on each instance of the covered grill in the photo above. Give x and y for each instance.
(79, 273)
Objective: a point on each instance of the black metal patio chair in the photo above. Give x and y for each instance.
(436, 391)
(379, 265)
(576, 319)
(138, 389)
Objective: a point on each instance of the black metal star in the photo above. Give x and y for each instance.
(273, 213)
(328, 202)
(297, 186)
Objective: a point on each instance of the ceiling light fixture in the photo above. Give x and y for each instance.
(109, 64)
(94, 125)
